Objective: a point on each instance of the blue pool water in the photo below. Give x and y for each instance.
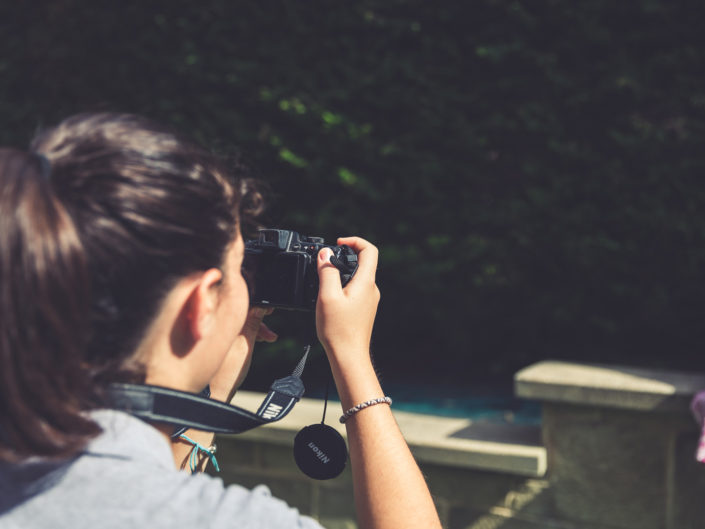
(485, 403)
(479, 403)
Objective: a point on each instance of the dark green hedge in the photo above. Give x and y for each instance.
(532, 171)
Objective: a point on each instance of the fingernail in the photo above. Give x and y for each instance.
(325, 254)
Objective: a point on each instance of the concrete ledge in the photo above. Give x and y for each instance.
(440, 440)
(608, 386)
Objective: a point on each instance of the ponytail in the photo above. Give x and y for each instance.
(130, 208)
(44, 384)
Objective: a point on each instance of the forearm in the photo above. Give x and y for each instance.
(224, 385)
(183, 446)
(390, 491)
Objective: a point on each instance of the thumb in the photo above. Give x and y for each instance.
(328, 275)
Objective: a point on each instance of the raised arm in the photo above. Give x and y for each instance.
(390, 491)
(226, 382)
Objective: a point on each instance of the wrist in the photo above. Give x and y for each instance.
(194, 449)
(356, 382)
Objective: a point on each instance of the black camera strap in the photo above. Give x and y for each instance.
(187, 410)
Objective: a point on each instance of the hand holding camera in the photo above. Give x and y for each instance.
(280, 267)
(287, 270)
(345, 316)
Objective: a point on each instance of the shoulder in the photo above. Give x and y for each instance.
(127, 477)
(144, 498)
(178, 499)
(214, 505)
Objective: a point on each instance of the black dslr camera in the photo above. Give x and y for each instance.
(280, 268)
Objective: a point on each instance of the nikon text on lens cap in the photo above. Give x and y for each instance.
(320, 452)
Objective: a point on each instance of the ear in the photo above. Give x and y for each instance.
(200, 306)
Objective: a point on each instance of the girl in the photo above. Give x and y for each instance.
(120, 261)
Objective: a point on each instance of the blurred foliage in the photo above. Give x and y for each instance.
(531, 171)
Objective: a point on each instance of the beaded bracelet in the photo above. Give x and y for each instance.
(352, 411)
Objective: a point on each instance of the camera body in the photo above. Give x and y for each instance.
(280, 268)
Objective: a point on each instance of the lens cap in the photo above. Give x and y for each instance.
(320, 452)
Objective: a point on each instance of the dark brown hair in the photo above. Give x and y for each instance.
(88, 251)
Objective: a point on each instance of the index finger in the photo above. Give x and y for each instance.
(367, 255)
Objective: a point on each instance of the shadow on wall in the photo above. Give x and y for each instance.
(528, 435)
(468, 499)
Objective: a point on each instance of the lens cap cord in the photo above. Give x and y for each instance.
(320, 451)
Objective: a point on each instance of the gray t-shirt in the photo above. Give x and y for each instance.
(127, 478)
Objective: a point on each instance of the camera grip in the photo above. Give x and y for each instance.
(345, 260)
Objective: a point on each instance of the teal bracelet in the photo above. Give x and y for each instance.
(198, 447)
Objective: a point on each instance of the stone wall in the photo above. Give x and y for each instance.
(615, 451)
(621, 444)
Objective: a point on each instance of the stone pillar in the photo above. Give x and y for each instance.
(620, 443)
